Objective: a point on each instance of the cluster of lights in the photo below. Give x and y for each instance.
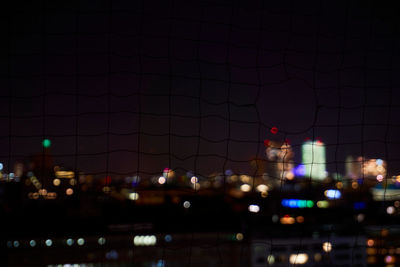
(332, 194)
(291, 220)
(144, 240)
(49, 242)
(300, 258)
(297, 203)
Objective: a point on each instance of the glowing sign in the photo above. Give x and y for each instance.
(297, 203)
(314, 159)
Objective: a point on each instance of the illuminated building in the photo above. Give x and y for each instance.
(374, 169)
(279, 160)
(314, 159)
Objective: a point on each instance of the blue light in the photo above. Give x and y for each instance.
(359, 205)
(297, 203)
(379, 162)
(300, 170)
(333, 194)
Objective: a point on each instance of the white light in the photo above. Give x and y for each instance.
(245, 187)
(300, 258)
(162, 180)
(49, 242)
(186, 204)
(32, 243)
(194, 180)
(360, 217)
(262, 188)
(271, 259)
(333, 194)
(379, 177)
(101, 241)
(147, 240)
(80, 241)
(390, 210)
(327, 246)
(254, 208)
(133, 196)
(1, 166)
(16, 243)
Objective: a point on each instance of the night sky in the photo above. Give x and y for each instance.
(197, 85)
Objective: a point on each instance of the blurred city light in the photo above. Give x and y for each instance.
(254, 208)
(300, 258)
(332, 194)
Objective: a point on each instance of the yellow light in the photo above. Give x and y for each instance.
(300, 258)
(65, 174)
(264, 194)
(69, 191)
(239, 236)
(245, 178)
(323, 204)
(354, 185)
(327, 246)
(262, 188)
(133, 196)
(42, 192)
(371, 251)
(339, 185)
(317, 257)
(245, 187)
(72, 182)
(398, 178)
(56, 182)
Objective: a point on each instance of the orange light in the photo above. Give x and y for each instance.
(69, 191)
(300, 219)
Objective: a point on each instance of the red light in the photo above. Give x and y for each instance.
(287, 141)
(307, 139)
(274, 130)
(108, 180)
(266, 142)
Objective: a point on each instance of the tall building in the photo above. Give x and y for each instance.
(279, 160)
(314, 159)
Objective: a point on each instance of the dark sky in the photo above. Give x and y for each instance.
(197, 85)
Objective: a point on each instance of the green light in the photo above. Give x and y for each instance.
(310, 204)
(302, 203)
(46, 143)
